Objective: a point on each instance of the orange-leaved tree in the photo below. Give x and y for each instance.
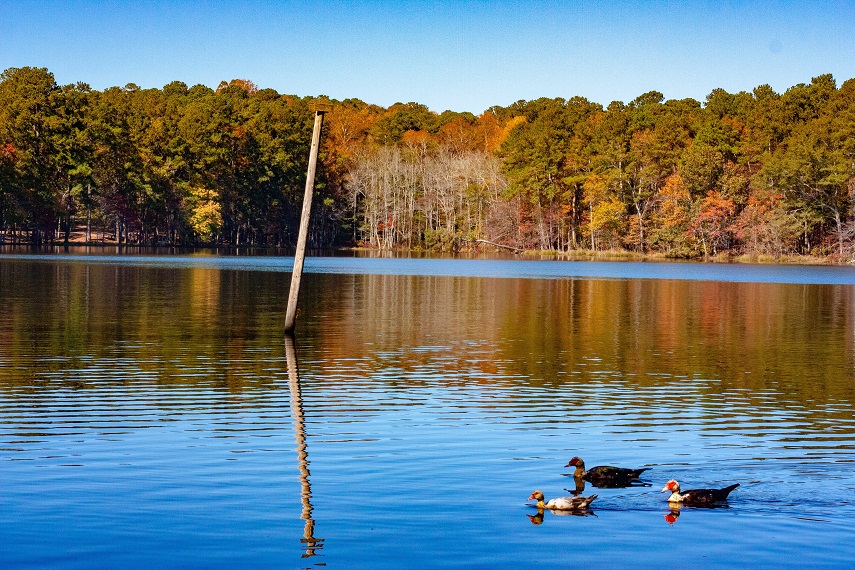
(712, 222)
(672, 220)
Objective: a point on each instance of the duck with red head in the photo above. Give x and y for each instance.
(562, 503)
(697, 496)
(605, 475)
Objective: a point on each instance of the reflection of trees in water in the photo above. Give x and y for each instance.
(791, 341)
(312, 543)
(773, 344)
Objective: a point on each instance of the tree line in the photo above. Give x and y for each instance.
(757, 173)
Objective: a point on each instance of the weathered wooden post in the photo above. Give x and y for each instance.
(291, 314)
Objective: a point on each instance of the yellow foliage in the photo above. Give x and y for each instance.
(512, 123)
(206, 217)
(608, 215)
(674, 189)
(595, 189)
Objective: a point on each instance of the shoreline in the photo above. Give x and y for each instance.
(575, 255)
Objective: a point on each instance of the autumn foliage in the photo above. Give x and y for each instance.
(757, 173)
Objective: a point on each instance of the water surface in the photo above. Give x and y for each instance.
(152, 415)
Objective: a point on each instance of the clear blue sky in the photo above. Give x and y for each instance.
(463, 56)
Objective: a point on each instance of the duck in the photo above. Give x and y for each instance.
(605, 475)
(562, 503)
(697, 496)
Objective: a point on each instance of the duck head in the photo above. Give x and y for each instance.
(576, 462)
(671, 486)
(536, 496)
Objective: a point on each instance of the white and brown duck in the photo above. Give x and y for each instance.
(605, 475)
(697, 496)
(561, 503)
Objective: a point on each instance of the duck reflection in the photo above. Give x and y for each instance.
(676, 508)
(672, 516)
(604, 484)
(538, 518)
(580, 486)
(312, 543)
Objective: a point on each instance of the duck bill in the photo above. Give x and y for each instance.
(665, 489)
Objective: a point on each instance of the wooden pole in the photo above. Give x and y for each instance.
(299, 255)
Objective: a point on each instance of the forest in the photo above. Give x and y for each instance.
(759, 174)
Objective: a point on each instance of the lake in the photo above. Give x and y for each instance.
(152, 415)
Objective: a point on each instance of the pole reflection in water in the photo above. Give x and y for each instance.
(312, 543)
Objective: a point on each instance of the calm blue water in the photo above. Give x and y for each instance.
(152, 415)
(482, 267)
